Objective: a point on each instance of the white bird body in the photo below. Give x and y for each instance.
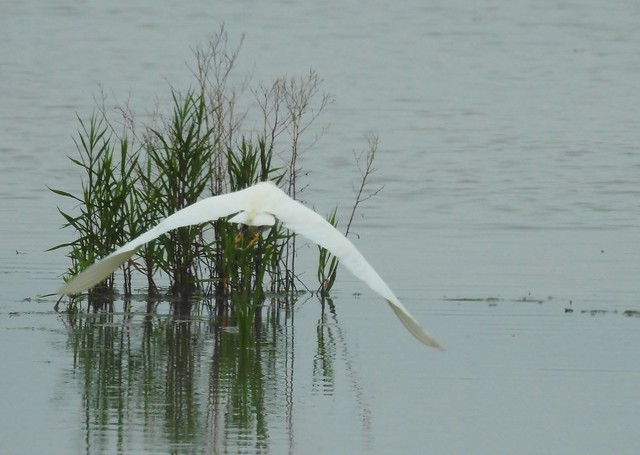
(258, 205)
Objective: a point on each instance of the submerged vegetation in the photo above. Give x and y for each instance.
(133, 176)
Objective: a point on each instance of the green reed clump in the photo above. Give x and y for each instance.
(180, 159)
(247, 255)
(198, 151)
(105, 204)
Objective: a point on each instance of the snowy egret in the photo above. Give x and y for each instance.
(259, 205)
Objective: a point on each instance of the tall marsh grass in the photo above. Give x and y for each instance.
(134, 178)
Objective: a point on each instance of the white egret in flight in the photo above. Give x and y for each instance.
(258, 205)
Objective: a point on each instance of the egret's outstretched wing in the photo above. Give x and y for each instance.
(306, 222)
(202, 211)
(258, 201)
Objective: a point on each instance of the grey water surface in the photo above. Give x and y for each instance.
(509, 154)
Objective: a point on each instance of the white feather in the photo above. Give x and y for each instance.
(257, 206)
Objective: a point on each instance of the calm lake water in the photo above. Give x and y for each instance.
(510, 160)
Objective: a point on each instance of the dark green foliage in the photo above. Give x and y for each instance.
(125, 194)
(180, 162)
(105, 219)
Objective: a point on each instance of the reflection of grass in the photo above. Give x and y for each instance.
(325, 357)
(192, 377)
(331, 347)
(164, 383)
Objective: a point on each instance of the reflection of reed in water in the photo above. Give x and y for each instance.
(187, 379)
(331, 345)
(182, 380)
(248, 391)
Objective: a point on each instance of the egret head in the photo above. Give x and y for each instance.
(251, 218)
